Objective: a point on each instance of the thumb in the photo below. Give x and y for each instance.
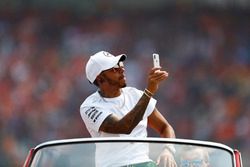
(158, 161)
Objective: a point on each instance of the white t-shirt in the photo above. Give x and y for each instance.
(95, 109)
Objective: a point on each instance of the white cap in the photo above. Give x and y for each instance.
(101, 61)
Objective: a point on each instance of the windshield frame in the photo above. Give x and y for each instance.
(130, 139)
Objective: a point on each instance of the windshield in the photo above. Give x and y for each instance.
(119, 153)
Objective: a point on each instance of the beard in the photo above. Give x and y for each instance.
(120, 83)
(124, 85)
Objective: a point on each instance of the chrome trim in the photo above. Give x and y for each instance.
(130, 139)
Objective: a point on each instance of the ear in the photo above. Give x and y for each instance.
(100, 79)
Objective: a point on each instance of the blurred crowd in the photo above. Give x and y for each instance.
(42, 79)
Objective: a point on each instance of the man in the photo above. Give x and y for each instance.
(116, 110)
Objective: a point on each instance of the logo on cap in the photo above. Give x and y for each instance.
(107, 54)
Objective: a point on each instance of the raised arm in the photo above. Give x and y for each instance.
(112, 124)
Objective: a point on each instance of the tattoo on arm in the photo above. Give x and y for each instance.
(113, 124)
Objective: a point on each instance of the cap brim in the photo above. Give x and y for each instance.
(122, 57)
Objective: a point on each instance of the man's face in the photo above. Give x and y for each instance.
(115, 76)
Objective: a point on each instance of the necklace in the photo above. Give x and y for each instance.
(116, 106)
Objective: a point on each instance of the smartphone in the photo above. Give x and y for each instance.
(156, 60)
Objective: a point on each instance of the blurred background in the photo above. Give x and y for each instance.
(44, 45)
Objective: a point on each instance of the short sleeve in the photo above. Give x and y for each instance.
(150, 108)
(93, 117)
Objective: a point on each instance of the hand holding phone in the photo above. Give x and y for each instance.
(156, 75)
(156, 60)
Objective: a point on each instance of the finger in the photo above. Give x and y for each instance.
(158, 161)
(173, 163)
(159, 77)
(153, 70)
(165, 163)
(169, 163)
(156, 71)
(158, 74)
(164, 75)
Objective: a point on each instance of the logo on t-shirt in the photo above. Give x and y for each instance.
(93, 113)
